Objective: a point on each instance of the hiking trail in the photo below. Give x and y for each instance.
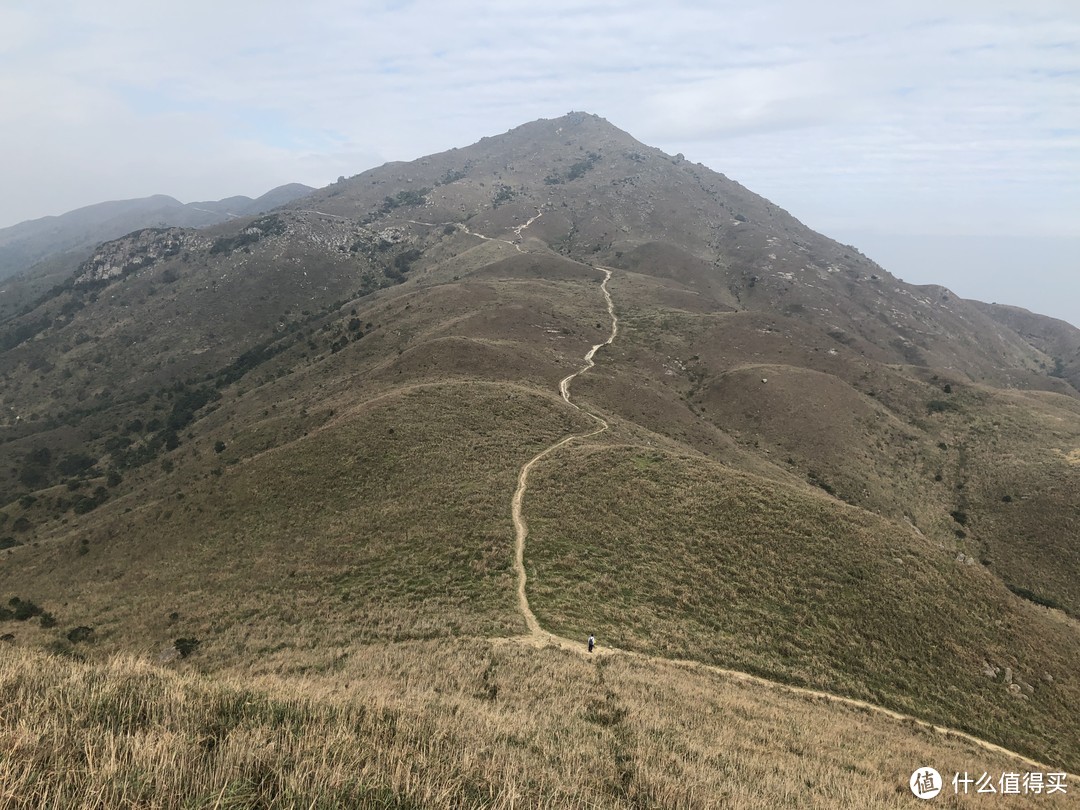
(521, 528)
(512, 243)
(539, 637)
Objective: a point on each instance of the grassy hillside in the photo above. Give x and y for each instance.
(389, 522)
(681, 557)
(438, 725)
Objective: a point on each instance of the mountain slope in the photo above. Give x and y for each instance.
(303, 430)
(27, 243)
(1055, 338)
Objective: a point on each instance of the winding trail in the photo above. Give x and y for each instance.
(512, 243)
(539, 637)
(521, 528)
(321, 214)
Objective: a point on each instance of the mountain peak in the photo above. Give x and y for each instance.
(574, 128)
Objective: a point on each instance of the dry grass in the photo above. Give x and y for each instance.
(682, 557)
(1013, 459)
(464, 724)
(390, 522)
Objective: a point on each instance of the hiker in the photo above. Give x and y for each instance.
(592, 642)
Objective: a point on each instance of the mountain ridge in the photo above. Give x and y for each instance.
(26, 243)
(312, 422)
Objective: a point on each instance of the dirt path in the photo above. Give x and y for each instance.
(530, 221)
(564, 383)
(463, 227)
(521, 528)
(321, 213)
(539, 637)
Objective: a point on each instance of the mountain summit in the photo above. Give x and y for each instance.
(557, 382)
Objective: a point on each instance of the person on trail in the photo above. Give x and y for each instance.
(592, 643)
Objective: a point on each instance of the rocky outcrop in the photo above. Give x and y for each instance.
(128, 254)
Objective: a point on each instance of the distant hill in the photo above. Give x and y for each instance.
(1059, 340)
(36, 240)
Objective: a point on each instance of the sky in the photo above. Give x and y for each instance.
(941, 137)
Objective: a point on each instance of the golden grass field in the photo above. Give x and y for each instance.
(681, 557)
(453, 724)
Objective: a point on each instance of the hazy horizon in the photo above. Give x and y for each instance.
(914, 121)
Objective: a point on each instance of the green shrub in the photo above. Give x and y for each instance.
(23, 609)
(582, 166)
(451, 176)
(186, 646)
(269, 225)
(227, 244)
(88, 503)
(1031, 596)
(249, 359)
(408, 197)
(75, 464)
(79, 634)
(503, 194)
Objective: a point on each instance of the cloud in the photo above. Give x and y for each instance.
(932, 117)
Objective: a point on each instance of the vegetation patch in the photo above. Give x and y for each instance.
(941, 406)
(502, 194)
(1032, 596)
(270, 225)
(20, 610)
(408, 197)
(576, 171)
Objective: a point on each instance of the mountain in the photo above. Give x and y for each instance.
(1057, 339)
(364, 425)
(37, 240)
